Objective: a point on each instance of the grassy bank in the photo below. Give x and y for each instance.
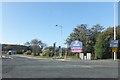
(54, 57)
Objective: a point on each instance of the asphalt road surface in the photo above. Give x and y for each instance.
(19, 67)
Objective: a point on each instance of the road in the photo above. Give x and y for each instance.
(19, 67)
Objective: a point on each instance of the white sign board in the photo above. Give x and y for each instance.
(114, 43)
(88, 56)
(81, 55)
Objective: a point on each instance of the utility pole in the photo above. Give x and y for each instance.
(115, 55)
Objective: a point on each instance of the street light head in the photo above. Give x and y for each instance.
(58, 26)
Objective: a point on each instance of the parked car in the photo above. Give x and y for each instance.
(10, 52)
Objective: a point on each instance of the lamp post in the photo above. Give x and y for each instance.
(61, 39)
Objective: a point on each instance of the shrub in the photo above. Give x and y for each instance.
(28, 52)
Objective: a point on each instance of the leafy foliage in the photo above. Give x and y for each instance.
(35, 46)
(95, 40)
(19, 48)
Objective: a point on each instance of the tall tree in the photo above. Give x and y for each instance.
(96, 29)
(82, 33)
(102, 48)
(36, 44)
(78, 33)
(27, 43)
(99, 47)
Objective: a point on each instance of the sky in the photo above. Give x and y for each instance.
(24, 21)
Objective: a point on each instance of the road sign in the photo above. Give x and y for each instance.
(114, 43)
(114, 49)
(76, 46)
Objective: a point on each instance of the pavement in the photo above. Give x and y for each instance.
(5, 56)
(22, 67)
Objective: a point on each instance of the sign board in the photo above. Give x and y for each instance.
(88, 56)
(81, 56)
(114, 49)
(76, 46)
(114, 43)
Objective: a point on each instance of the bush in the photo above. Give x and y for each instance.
(28, 52)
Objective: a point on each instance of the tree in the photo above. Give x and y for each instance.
(83, 34)
(49, 51)
(118, 37)
(77, 34)
(87, 36)
(96, 29)
(8, 47)
(18, 48)
(27, 43)
(36, 42)
(111, 34)
(102, 49)
(99, 47)
(35, 46)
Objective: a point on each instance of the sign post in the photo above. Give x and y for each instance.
(114, 46)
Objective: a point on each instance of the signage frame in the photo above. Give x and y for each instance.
(76, 46)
